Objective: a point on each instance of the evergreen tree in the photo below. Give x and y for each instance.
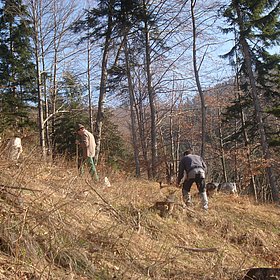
(114, 150)
(265, 18)
(70, 96)
(261, 32)
(16, 67)
(256, 25)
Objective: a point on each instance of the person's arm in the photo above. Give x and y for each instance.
(181, 172)
(84, 140)
(204, 165)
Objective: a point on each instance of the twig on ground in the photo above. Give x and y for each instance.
(202, 250)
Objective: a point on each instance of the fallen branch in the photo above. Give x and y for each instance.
(18, 188)
(202, 250)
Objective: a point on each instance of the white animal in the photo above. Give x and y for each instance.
(107, 182)
(15, 148)
(228, 187)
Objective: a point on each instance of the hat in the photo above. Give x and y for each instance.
(79, 126)
(187, 152)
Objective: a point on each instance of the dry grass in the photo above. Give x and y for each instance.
(56, 225)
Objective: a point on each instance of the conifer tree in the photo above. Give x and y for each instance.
(16, 66)
(256, 25)
(71, 98)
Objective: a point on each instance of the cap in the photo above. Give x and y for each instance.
(79, 126)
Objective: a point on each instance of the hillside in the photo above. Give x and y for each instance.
(55, 225)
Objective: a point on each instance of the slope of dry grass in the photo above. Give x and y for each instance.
(56, 225)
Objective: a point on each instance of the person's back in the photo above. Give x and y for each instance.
(87, 143)
(192, 165)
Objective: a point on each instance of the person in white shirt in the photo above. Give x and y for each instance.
(15, 148)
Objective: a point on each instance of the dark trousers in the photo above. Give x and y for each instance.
(200, 183)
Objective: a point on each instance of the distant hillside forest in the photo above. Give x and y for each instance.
(150, 79)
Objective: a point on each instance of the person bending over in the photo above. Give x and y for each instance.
(192, 169)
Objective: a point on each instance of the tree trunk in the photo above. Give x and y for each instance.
(171, 137)
(151, 99)
(196, 73)
(54, 77)
(222, 147)
(246, 141)
(178, 138)
(89, 87)
(36, 31)
(103, 83)
(132, 115)
(44, 81)
(165, 156)
(40, 106)
(140, 115)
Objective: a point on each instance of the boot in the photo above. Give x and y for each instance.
(204, 200)
(187, 199)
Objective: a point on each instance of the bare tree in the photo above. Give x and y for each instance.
(197, 79)
(51, 29)
(103, 80)
(246, 141)
(35, 14)
(151, 95)
(90, 109)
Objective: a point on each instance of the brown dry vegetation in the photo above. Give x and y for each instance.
(66, 227)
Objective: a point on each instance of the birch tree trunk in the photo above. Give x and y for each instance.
(54, 76)
(43, 74)
(40, 106)
(35, 16)
(172, 171)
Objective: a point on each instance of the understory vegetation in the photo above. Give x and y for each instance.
(57, 225)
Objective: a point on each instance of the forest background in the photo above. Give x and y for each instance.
(149, 79)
